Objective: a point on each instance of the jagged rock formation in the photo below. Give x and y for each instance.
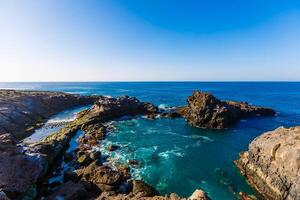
(272, 163)
(206, 111)
(22, 111)
(106, 109)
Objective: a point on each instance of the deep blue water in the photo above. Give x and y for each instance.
(176, 157)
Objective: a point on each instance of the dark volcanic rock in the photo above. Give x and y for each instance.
(68, 191)
(206, 111)
(272, 164)
(20, 111)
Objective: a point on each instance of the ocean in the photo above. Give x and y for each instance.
(175, 157)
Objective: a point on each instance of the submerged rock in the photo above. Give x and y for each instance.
(206, 111)
(272, 163)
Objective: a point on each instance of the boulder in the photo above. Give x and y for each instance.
(206, 111)
(141, 189)
(198, 195)
(272, 163)
(103, 177)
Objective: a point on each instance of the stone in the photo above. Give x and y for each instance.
(103, 177)
(198, 195)
(113, 147)
(68, 191)
(206, 111)
(22, 111)
(18, 171)
(142, 189)
(272, 163)
(106, 109)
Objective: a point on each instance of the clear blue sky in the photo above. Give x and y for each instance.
(123, 40)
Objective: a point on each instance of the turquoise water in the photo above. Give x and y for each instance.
(55, 123)
(176, 157)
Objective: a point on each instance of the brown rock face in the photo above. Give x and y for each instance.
(103, 177)
(143, 190)
(272, 163)
(20, 111)
(17, 170)
(106, 109)
(206, 111)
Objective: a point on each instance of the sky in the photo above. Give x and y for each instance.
(149, 40)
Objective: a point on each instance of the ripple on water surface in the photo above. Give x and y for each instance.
(175, 157)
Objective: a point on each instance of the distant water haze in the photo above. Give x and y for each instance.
(149, 40)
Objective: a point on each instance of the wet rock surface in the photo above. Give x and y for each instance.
(271, 164)
(206, 111)
(22, 111)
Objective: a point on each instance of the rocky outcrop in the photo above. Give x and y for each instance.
(272, 164)
(22, 111)
(18, 171)
(106, 109)
(206, 111)
(197, 195)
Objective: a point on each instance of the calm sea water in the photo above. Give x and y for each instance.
(174, 156)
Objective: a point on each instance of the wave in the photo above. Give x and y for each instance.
(205, 138)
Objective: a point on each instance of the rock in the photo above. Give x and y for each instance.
(103, 177)
(3, 196)
(131, 196)
(272, 163)
(113, 147)
(206, 111)
(18, 171)
(243, 196)
(71, 176)
(21, 111)
(198, 195)
(142, 189)
(68, 157)
(96, 130)
(68, 191)
(106, 109)
(135, 163)
(84, 160)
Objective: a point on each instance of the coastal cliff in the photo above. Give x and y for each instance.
(206, 111)
(271, 165)
(22, 111)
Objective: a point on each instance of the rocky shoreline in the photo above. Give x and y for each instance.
(25, 170)
(271, 165)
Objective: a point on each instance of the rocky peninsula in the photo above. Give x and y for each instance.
(23, 111)
(26, 171)
(206, 111)
(272, 164)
